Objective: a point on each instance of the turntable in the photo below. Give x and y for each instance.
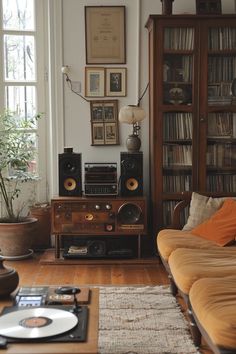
(33, 318)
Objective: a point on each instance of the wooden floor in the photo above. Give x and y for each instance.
(32, 272)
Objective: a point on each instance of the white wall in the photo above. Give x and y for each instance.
(77, 131)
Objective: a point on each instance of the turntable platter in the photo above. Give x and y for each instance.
(37, 322)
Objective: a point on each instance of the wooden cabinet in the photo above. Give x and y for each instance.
(99, 221)
(192, 68)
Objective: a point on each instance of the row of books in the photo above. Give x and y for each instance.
(221, 38)
(177, 183)
(182, 38)
(177, 126)
(221, 183)
(221, 155)
(179, 38)
(221, 125)
(177, 155)
(221, 69)
(168, 209)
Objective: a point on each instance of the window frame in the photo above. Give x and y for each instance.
(40, 84)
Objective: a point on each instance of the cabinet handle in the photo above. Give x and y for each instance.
(202, 119)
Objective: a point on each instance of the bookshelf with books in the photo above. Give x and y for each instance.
(192, 69)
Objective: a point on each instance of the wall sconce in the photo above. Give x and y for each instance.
(132, 115)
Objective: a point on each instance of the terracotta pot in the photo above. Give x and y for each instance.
(16, 238)
(42, 236)
(9, 279)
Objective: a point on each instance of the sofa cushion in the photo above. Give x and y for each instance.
(189, 265)
(169, 240)
(213, 301)
(201, 209)
(221, 226)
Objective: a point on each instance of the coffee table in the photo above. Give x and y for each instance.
(88, 347)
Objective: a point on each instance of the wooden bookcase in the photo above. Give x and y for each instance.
(192, 68)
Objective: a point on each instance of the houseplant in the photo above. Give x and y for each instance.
(16, 154)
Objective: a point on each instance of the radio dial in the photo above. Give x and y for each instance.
(97, 207)
(108, 206)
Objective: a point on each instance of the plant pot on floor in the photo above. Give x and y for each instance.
(16, 238)
(9, 279)
(42, 237)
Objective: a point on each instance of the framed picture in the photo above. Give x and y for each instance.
(115, 82)
(208, 7)
(105, 34)
(94, 82)
(97, 134)
(104, 122)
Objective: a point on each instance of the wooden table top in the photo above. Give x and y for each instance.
(88, 347)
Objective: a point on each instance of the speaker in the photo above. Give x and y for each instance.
(70, 181)
(131, 178)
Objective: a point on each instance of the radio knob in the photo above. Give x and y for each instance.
(108, 206)
(97, 207)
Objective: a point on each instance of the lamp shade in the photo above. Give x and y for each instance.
(131, 114)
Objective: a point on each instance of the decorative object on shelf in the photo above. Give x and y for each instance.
(105, 34)
(167, 7)
(208, 7)
(176, 95)
(115, 82)
(9, 279)
(94, 82)
(104, 122)
(132, 114)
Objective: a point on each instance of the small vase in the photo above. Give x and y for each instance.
(9, 279)
(133, 143)
(167, 7)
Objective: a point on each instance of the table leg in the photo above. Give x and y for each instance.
(139, 246)
(57, 246)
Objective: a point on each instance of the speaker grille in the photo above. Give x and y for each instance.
(70, 180)
(131, 179)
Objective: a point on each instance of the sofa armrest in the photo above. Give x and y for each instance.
(176, 221)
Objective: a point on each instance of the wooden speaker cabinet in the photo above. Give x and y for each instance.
(103, 216)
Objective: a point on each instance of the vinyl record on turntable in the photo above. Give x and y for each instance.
(36, 323)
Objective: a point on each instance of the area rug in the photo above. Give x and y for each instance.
(142, 320)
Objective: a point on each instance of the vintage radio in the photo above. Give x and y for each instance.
(99, 216)
(100, 179)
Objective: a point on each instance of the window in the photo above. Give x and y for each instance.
(21, 71)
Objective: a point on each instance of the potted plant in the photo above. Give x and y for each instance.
(16, 154)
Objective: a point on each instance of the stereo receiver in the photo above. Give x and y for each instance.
(100, 179)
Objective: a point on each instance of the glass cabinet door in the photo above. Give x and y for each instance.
(177, 115)
(221, 116)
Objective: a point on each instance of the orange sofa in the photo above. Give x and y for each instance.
(193, 262)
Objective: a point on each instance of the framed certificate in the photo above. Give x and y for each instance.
(105, 34)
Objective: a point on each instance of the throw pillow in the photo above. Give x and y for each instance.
(221, 227)
(201, 209)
